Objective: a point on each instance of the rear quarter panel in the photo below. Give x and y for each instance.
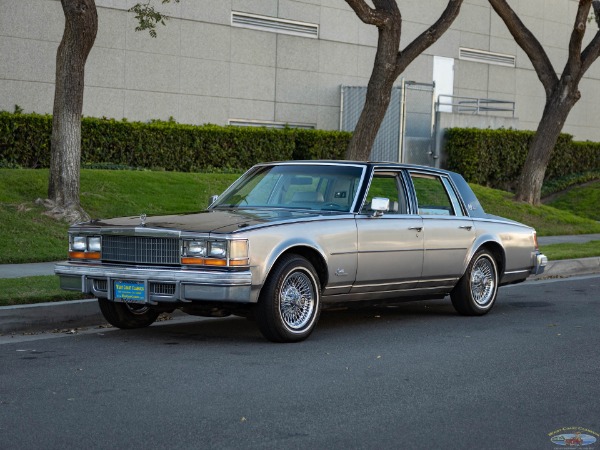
(517, 241)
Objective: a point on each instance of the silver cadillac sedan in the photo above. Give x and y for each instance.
(290, 238)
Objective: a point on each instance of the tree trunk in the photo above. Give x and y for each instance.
(81, 25)
(379, 89)
(377, 100)
(556, 111)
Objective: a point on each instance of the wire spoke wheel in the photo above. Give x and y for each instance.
(296, 300)
(476, 291)
(483, 281)
(289, 304)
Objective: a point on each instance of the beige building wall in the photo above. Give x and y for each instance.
(201, 69)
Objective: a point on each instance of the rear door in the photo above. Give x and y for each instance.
(448, 232)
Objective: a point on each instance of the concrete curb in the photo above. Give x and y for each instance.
(49, 316)
(81, 313)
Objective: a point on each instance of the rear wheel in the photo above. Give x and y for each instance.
(127, 316)
(289, 304)
(476, 292)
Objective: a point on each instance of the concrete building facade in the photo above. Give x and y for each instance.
(279, 61)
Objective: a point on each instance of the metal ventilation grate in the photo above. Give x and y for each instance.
(482, 56)
(268, 124)
(274, 25)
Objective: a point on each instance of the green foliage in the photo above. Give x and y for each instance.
(148, 17)
(158, 145)
(495, 157)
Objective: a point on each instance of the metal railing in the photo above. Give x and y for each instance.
(470, 105)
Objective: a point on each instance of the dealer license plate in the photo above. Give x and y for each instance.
(130, 291)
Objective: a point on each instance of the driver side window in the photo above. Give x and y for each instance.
(387, 185)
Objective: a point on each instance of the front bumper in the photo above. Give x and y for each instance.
(161, 285)
(541, 261)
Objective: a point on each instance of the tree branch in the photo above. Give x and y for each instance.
(590, 54)
(528, 43)
(428, 37)
(367, 14)
(573, 65)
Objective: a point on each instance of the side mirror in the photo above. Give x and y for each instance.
(212, 200)
(380, 205)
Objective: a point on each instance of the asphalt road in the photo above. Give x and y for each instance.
(415, 376)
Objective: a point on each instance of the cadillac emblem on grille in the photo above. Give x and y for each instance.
(143, 220)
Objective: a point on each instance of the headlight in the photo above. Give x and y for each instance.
(79, 244)
(195, 249)
(94, 244)
(218, 249)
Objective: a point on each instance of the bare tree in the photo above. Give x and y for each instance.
(561, 92)
(390, 62)
(81, 25)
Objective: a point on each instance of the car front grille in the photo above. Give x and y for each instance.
(140, 249)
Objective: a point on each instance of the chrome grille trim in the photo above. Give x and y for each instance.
(140, 249)
(162, 288)
(101, 285)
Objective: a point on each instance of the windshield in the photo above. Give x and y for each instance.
(303, 186)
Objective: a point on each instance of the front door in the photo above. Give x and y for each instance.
(390, 245)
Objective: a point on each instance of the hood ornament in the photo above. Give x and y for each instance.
(143, 220)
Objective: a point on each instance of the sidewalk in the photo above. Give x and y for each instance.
(79, 313)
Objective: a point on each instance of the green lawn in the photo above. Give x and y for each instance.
(582, 200)
(29, 236)
(27, 290)
(547, 220)
(571, 251)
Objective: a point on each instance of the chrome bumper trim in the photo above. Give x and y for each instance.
(541, 261)
(190, 285)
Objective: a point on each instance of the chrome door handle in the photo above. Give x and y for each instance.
(416, 228)
(466, 227)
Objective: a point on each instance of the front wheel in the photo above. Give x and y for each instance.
(476, 291)
(289, 304)
(126, 316)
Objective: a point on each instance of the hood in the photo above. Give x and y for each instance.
(210, 221)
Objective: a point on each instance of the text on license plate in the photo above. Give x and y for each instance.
(130, 291)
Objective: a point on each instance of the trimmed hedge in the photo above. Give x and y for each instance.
(25, 142)
(491, 158)
(494, 158)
